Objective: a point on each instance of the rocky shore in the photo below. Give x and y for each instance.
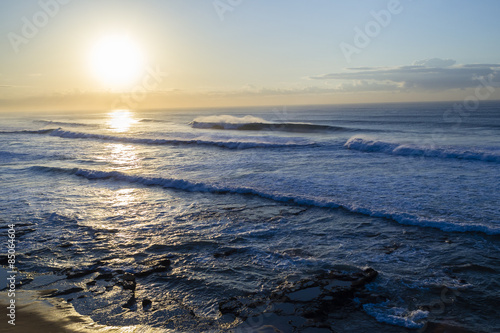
(102, 298)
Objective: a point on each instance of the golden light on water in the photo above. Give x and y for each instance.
(124, 156)
(124, 197)
(121, 120)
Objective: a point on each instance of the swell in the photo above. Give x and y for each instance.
(376, 146)
(284, 127)
(44, 131)
(230, 144)
(150, 120)
(190, 186)
(251, 123)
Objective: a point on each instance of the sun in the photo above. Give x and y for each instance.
(117, 61)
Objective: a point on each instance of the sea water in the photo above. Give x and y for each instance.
(410, 190)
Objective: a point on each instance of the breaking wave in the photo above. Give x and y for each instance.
(251, 123)
(396, 316)
(369, 145)
(190, 186)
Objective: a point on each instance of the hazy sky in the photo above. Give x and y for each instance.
(245, 52)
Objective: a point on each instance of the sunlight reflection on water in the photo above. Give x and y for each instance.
(121, 120)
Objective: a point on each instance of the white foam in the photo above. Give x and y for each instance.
(383, 313)
(230, 120)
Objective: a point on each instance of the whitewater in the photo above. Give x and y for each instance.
(285, 191)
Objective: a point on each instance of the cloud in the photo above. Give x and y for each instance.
(431, 74)
(435, 62)
(355, 86)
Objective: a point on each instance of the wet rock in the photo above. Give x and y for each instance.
(155, 267)
(130, 303)
(78, 274)
(225, 253)
(104, 276)
(305, 295)
(391, 248)
(66, 292)
(432, 327)
(146, 304)
(127, 281)
(81, 272)
(312, 302)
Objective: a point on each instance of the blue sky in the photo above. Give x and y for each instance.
(247, 52)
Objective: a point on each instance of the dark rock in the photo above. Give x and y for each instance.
(105, 276)
(130, 303)
(156, 267)
(432, 327)
(315, 301)
(225, 253)
(391, 248)
(146, 304)
(66, 292)
(78, 274)
(128, 281)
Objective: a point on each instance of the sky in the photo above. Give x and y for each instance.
(95, 54)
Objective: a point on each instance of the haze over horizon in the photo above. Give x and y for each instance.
(168, 54)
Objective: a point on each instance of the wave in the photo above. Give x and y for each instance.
(190, 186)
(251, 123)
(396, 316)
(229, 144)
(223, 144)
(150, 120)
(62, 123)
(44, 131)
(6, 155)
(368, 145)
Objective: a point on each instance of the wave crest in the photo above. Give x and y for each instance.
(251, 123)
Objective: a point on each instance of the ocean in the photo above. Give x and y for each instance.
(239, 200)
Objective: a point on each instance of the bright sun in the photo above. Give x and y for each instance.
(116, 61)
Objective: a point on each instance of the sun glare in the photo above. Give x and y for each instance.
(117, 61)
(120, 120)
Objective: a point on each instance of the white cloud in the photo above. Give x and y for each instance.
(435, 62)
(431, 74)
